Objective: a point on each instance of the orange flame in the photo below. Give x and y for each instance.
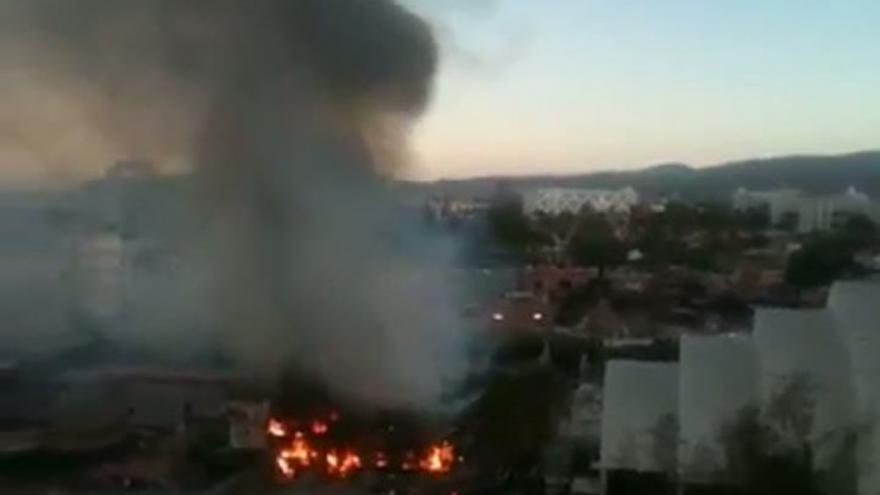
(276, 428)
(439, 458)
(350, 462)
(342, 465)
(298, 452)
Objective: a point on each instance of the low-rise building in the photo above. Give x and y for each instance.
(446, 207)
(555, 201)
(155, 398)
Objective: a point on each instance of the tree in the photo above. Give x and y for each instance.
(788, 222)
(516, 415)
(770, 453)
(660, 245)
(858, 232)
(595, 245)
(509, 225)
(557, 225)
(678, 215)
(664, 436)
(827, 257)
(818, 264)
(575, 303)
(756, 219)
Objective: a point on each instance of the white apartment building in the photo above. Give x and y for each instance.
(554, 201)
(834, 351)
(779, 201)
(813, 213)
(821, 213)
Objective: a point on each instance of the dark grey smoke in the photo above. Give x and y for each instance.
(97, 78)
(292, 112)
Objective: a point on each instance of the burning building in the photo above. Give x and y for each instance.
(287, 119)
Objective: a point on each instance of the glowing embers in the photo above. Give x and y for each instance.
(276, 428)
(381, 460)
(285, 469)
(319, 427)
(341, 464)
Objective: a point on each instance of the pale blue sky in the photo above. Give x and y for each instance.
(574, 85)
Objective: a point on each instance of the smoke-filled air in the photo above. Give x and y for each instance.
(290, 116)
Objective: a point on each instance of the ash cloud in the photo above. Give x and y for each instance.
(292, 114)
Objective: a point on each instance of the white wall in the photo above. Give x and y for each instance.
(855, 310)
(837, 350)
(718, 378)
(804, 343)
(638, 396)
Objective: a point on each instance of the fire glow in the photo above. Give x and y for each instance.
(298, 451)
(343, 464)
(439, 458)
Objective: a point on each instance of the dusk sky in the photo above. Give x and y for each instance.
(531, 86)
(526, 87)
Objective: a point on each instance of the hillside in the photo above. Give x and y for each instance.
(815, 173)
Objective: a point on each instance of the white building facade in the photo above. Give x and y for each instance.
(813, 213)
(718, 378)
(778, 201)
(835, 351)
(822, 213)
(639, 399)
(554, 201)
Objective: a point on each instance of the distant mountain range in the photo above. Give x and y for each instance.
(811, 173)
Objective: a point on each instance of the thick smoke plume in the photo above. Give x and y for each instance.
(292, 113)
